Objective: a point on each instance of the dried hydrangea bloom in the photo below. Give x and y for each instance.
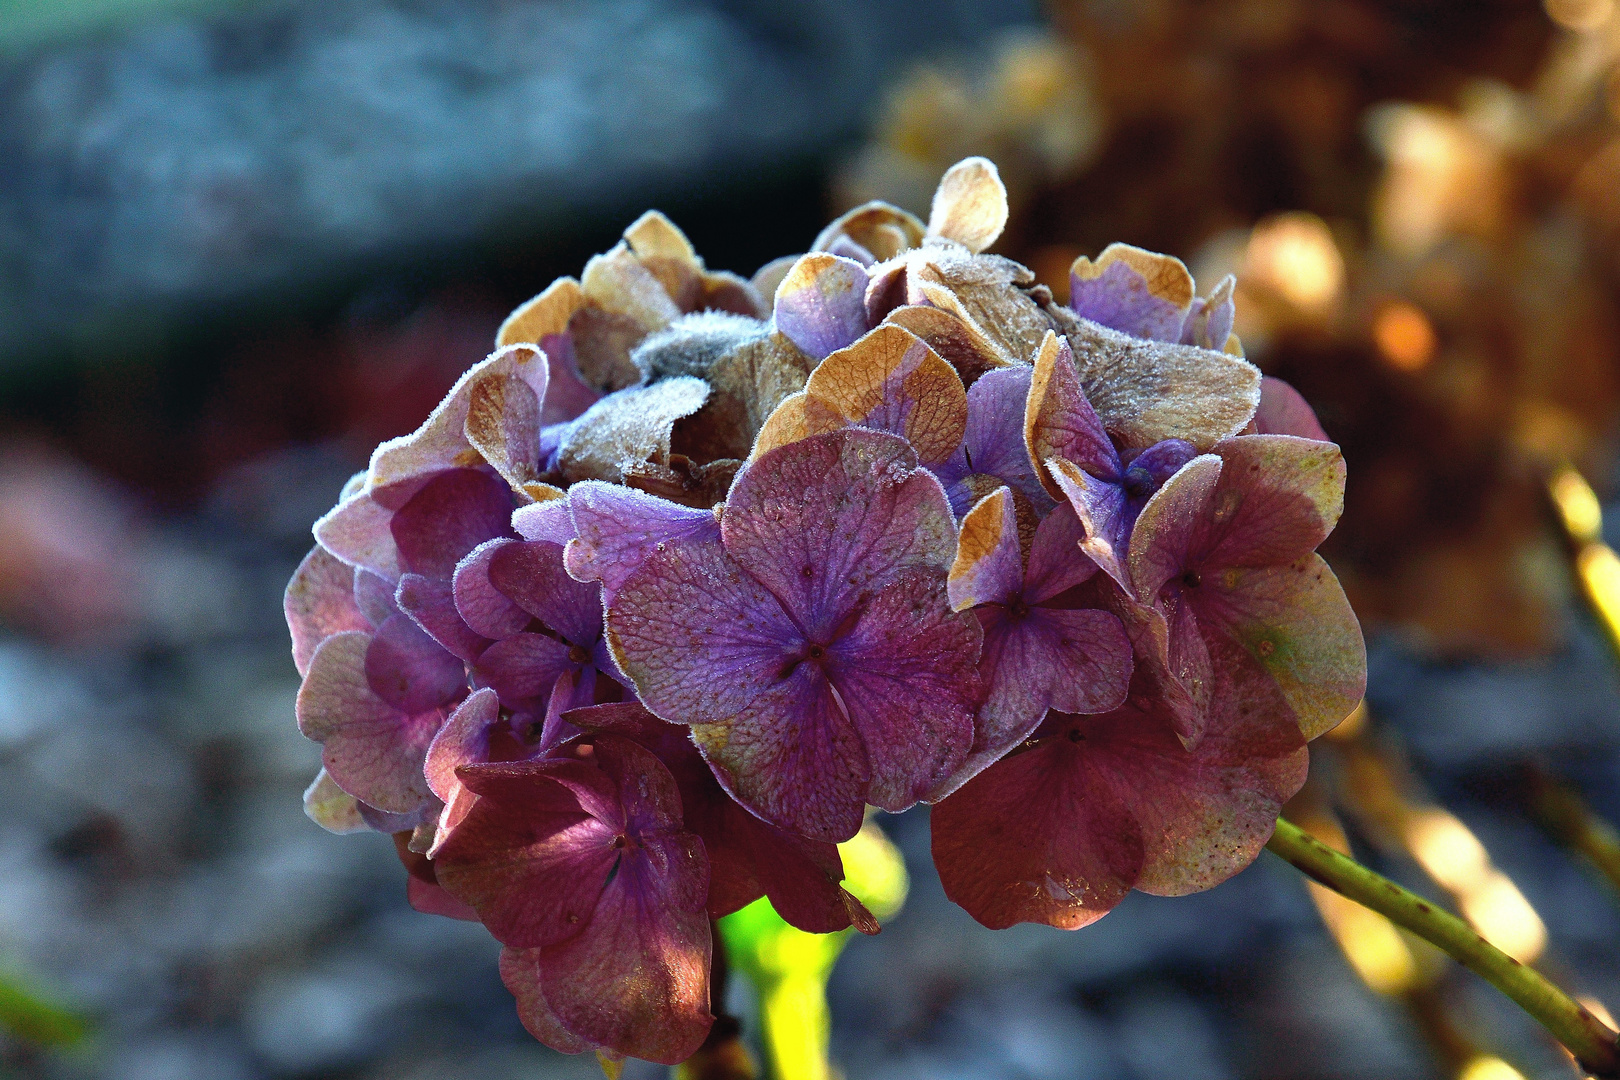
(581, 866)
(1148, 295)
(811, 647)
(1059, 831)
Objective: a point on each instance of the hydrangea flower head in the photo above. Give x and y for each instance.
(693, 570)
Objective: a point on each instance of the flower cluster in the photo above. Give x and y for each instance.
(680, 580)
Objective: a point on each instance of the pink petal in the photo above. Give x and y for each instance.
(319, 602)
(520, 971)
(410, 670)
(431, 603)
(1283, 411)
(448, 517)
(1170, 525)
(531, 573)
(374, 596)
(567, 394)
(482, 606)
(356, 531)
(1278, 498)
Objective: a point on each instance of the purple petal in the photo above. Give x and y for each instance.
(483, 607)
(1056, 562)
(824, 520)
(1137, 292)
(319, 602)
(552, 521)
(410, 670)
(1058, 420)
(371, 749)
(531, 574)
(989, 567)
(1209, 320)
(452, 514)
(524, 667)
(374, 596)
(1103, 514)
(620, 526)
(821, 303)
(432, 605)
(994, 442)
(463, 739)
(907, 676)
(567, 393)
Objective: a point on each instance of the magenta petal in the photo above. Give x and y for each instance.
(1056, 561)
(371, 749)
(452, 514)
(410, 670)
(431, 603)
(357, 531)
(1037, 837)
(374, 596)
(319, 602)
(637, 979)
(820, 521)
(907, 675)
(1283, 411)
(1089, 657)
(432, 899)
(821, 303)
(524, 667)
(1171, 524)
(620, 526)
(520, 971)
(1058, 419)
(463, 739)
(531, 574)
(482, 606)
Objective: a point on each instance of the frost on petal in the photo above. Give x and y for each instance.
(618, 527)
(890, 380)
(1058, 420)
(332, 808)
(483, 607)
(356, 531)
(531, 572)
(520, 971)
(1038, 837)
(1283, 411)
(1140, 293)
(550, 520)
(984, 291)
(907, 677)
(319, 602)
(449, 516)
(620, 435)
(821, 303)
(882, 229)
(401, 465)
(1296, 623)
(1278, 498)
(966, 351)
(543, 316)
(370, 749)
(970, 205)
(989, 566)
(431, 604)
(1147, 391)
(828, 518)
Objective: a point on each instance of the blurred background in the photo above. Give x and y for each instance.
(242, 241)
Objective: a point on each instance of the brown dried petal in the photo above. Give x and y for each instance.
(970, 205)
(546, 314)
(602, 343)
(890, 379)
(624, 431)
(746, 386)
(964, 347)
(880, 228)
(622, 284)
(988, 294)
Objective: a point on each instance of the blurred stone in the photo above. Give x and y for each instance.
(327, 1018)
(204, 160)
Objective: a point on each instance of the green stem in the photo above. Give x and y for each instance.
(1560, 811)
(1594, 1045)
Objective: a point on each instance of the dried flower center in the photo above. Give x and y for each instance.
(1138, 482)
(1191, 579)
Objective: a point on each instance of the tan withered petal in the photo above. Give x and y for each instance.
(964, 347)
(602, 343)
(668, 255)
(891, 380)
(769, 277)
(625, 431)
(721, 290)
(441, 442)
(621, 283)
(685, 482)
(786, 424)
(747, 384)
(882, 229)
(542, 316)
(1145, 391)
(970, 204)
(1166, 277)
(988, 293)
(503, 424)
